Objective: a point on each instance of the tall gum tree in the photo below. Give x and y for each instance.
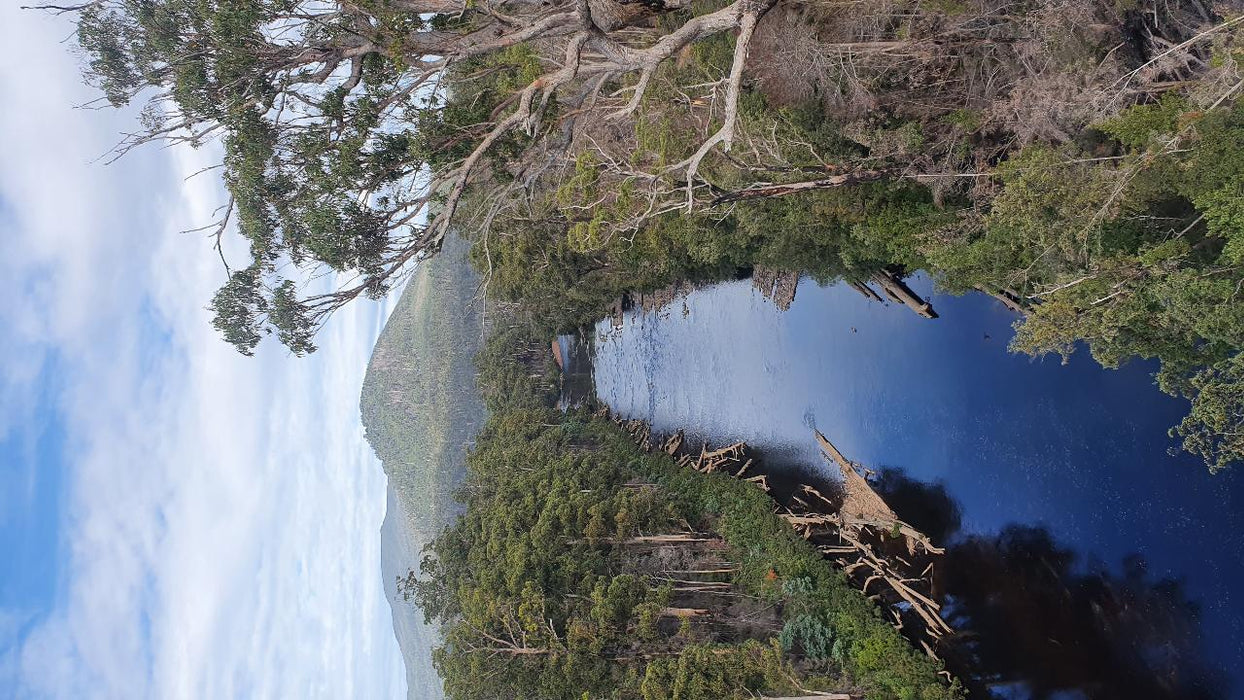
(353, 130)
(318, 106)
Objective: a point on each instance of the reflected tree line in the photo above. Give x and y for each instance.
(1036, 622)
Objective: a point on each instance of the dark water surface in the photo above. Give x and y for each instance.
(1088, 558)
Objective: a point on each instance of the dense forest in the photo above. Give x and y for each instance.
(584, 567)
(1079, 160)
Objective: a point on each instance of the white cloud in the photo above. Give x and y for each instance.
(221, 526)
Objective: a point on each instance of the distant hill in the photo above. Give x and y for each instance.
(421, 410)
(419, 403)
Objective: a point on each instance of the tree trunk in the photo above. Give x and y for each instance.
(865, 290)
(1012, 303)
(900, 292)
(782, 190)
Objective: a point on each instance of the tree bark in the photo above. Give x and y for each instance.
(784, 189)
(1012, 303)
(897, 290)
(865, 290)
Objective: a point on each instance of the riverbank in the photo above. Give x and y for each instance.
(646, 576)
(887, 560)
(1051, 485)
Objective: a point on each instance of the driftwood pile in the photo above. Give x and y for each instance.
(865, 529)
(887, 559)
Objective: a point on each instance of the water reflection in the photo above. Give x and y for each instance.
(1054, 481)
(573, 354)
(929, 507)
(1037, 622)
(1040, 621)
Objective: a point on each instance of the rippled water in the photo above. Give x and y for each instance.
(1053, 477)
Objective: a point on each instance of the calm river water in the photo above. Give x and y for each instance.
(1088, 561)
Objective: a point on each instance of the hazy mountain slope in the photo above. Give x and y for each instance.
(419, 402)
(420, 409)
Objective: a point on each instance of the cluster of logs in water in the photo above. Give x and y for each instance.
(888, 560)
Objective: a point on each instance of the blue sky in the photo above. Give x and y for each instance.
(29, 509)
(176, 521)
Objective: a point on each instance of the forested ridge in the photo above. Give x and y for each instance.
(1079, 160)
(584, 567)
(418, 402)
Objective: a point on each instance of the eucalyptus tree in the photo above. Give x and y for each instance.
(336, 151)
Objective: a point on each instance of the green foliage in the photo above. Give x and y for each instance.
(1124, 236)
(1047, 218)
(319, 162)
(448, 127)
(567, 264)
(516, 369)
(808, 634)
(1128, 236)
(705, 672)
(1214, 428)
(1154, 275)
(969, 120)
(1215, 179)
(292, 322)
(1136, 127)
(545, 590)
(236, 308)
(869, 652)
(104, 36)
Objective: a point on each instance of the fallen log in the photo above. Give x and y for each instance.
(903, 529)
(1011, 302)
(678, 538)
(730, 450)
(919, 603)
(803, 519)
(870, 579)
(859, 498)
(861, 511)
(897, 290)
(743, 470)
(819, 496)
(683, 612)
(671, 445)
(785, 189)
(848, 570)
(865, 290)
(835, 549)
(902, 587)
